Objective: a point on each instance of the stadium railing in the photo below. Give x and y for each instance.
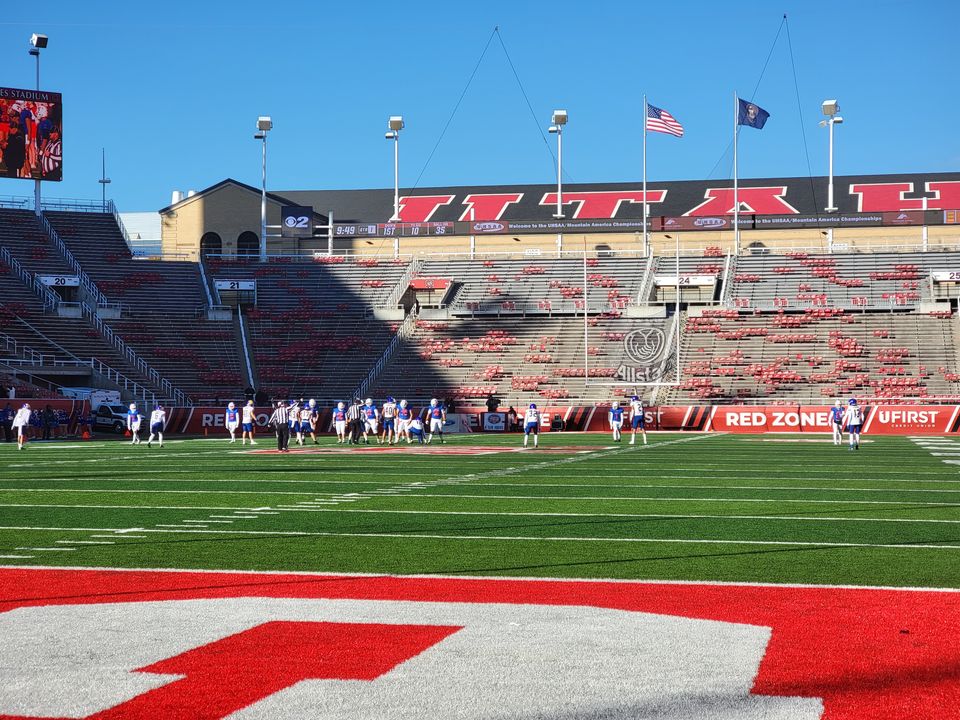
(50, 299)
(406, 327)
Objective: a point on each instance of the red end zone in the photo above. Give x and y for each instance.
(867, 653)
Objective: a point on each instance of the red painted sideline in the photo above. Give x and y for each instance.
(878, 654)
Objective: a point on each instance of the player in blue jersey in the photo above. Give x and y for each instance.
(340, 422)
(637, 419)
(531, 425)
(371, 419)
(853, 418)
(615, 416)
(231, 420)
(388, 413)
(437, 416)
(415, 429)
(404, 416)
(836, 422)
(133, 423)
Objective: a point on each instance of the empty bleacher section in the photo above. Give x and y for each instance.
(799, 280)
(22, 234)
(311, 332)
(818, 355)
(538, 284)
(521, 359)
(97, 242)
(199, 356)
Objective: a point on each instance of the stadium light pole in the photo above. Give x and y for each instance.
(38, 42)
(830, 109)
(264, 125)
(395, 124)
(559, 119)
(104, 180)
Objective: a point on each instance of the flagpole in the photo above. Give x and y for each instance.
(646, 234)
(736, 189)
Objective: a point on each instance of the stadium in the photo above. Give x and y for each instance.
(659, 449)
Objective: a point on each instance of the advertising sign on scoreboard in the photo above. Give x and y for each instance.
(296, 221)
(31, 134)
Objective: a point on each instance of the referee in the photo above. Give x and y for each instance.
(281, 423)
(354, 421)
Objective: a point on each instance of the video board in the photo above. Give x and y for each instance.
(31, 134)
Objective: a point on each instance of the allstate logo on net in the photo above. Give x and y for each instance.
(643, 348)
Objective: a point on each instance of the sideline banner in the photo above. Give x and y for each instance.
(880, 419)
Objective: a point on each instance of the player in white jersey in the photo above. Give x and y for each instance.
(306, 426)
(133, 423)
(247, 423)
(158, 423)
(637, 419)
(853, 418)
(531, 425)
(231, 419)
(388, 414)
(21, 421)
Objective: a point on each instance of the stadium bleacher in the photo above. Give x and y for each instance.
(791, 327)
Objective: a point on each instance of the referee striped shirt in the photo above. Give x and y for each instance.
(353, 413)
(281, 416)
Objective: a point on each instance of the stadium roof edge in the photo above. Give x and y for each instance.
(230, 181)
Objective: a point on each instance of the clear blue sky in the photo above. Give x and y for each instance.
(172, 90)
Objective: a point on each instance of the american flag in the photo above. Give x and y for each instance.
(659, 120)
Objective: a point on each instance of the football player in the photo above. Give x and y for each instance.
(853, 418)
(615, 416)
(389, 414)
(531, 425)
(437, 415)
(836, 422)
(158, 423)
(637, 419)
(133, 423)
(340, 422)
(232, 421)
(371, 418)
(247, 423)
(404, 416)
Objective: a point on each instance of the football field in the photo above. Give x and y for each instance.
(736, 508)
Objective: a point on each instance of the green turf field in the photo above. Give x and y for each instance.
(692, 507)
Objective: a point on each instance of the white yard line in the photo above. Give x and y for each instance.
(85, 542)
(534, 538)
(646, 498)
(665, 516)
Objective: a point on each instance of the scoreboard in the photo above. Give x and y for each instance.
(389, 230)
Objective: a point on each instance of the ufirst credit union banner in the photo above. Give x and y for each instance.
(31, 134)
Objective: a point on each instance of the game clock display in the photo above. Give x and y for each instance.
(393, 229)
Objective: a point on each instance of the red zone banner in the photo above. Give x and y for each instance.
(179, 645)
(880, 419)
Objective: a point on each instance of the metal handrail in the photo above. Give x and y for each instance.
(406, 327)
(133, 357)
(413, 269)
(206, 286)
(50, 299)
(85, 282)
